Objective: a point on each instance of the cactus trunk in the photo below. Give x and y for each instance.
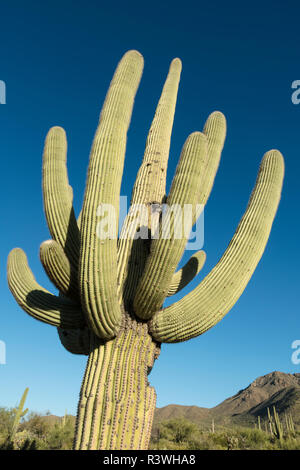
(117, 403)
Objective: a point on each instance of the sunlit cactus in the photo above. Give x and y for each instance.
(275, 424)
(19, 414)
(112, 290)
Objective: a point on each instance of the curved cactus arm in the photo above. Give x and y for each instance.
(207, 304)
(150, 184)
(184, 275)
(76, 341)
(98, 259)
(36, 300)
(58, 195)
(167, 250)
(59, 269)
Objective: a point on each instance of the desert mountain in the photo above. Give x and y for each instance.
(275, 389)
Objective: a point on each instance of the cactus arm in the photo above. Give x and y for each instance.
(98, 261)
(150, 184)
(207, 304)
(24, 412)
(76, 341)
(215, 131)
(20, 413)
(71, 194)
(166, 252)
(58, 195)
(278, 429)
(79, 220)
(59, 269)
(36, 300)
(184, 275)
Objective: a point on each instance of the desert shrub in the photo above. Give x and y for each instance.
(36, 425)
(6, 422)
(177, 430)
(61, 436)
(252, 438)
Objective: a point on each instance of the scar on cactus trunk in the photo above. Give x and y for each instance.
(111, 291)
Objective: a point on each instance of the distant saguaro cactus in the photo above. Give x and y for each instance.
(19, 414)
(275, 424)
(112, 290)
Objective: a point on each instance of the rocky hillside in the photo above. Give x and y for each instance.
(275, 389)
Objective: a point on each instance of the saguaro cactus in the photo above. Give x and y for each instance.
(112, 289)
(275, 424)
(19, 414)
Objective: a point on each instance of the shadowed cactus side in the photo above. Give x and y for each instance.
(112, 290)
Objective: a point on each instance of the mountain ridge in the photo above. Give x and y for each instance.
(278, 389)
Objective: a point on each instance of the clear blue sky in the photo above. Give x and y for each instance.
(57, 59)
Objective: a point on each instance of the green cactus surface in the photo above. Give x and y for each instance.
(112, 288)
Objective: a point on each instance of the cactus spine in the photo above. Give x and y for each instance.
(112, 290)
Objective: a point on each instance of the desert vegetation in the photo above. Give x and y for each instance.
(183, 434)
(273, 423)
(48, 432)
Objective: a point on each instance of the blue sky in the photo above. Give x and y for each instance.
(57, 59)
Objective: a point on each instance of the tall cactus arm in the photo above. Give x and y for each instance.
(36, 300)
(59, 269)
(207, 304)
(98, 258)
(19, 413)
(150, 184)
(184, 275)
(215, 131)
(58, 195)
(79, 220)
(167, 250)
